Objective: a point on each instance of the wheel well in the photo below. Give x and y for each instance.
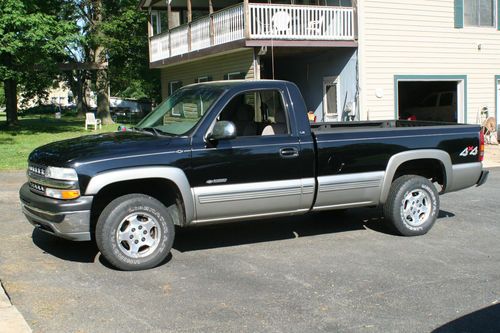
(161, 189)
(429, 168)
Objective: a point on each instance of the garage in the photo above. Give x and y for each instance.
(431, 99)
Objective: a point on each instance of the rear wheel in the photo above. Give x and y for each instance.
(412, 205)
(136, 232)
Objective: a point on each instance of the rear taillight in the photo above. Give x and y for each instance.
(481, 145)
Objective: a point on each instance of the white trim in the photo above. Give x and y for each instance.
(203, 78)
(497, 99)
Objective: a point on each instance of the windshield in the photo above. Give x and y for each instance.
(180, 113)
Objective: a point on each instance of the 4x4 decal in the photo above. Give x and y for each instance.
(470, 151)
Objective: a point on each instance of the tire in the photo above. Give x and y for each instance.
(412, 205)
(136, 232)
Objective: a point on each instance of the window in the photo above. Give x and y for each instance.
(341, 3)
(201, 79)
(257, 113)
(159, 21)
(330, 98)
(179, 114)
(235, 76)
(173, 86)
(479, 13)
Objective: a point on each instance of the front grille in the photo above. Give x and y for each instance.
(37, 187)
(36, 170)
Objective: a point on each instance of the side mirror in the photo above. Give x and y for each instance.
(223, 130)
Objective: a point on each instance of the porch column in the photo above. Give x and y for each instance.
(169, 24)
(246, 13)
(169, 15)
(355, 18)
(211, 27)
(190, 18)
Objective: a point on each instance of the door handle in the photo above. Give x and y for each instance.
(289, 152)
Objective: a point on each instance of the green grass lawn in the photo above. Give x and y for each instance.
(34, 131)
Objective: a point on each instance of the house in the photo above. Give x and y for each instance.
(363, 60)
(431, 54)
(59, 95)
(309, 42)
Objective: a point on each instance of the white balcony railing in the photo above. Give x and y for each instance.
(200, 34)
(300, 22)
(229, 25)
(266, 21)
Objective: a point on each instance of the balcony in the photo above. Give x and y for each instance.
(256, 24)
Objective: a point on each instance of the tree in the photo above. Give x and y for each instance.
(2, 95)
(114, 39)
(33, 37)
(128, 52)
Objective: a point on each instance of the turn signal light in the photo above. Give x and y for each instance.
(62, 194)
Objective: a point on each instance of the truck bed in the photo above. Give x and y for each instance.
(318, 128)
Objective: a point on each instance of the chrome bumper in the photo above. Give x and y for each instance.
(65, 219)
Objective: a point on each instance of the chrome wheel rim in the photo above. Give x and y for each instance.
(138, 235)
(416, 207)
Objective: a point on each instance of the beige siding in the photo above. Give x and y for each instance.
(406, 37)
(215, 67)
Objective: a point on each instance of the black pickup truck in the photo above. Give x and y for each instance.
(234, 150)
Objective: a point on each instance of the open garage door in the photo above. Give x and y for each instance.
(432, 100)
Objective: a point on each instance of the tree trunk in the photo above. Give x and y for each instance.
(10, 88)
(83, 91)
(102, 86)
(102, 80)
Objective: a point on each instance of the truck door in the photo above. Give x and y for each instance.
(258, 173)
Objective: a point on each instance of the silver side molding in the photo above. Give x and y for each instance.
(175, 175)
(249, 217)
(396, 160)
(351, 190)
(237, 201)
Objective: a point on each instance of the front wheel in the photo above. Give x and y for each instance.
(135, 232)
(412, 205)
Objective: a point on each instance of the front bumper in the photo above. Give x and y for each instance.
(69, 219)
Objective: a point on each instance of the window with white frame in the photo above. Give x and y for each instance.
(159, 22)
(479, 13)
(235, 76)
(201, 79)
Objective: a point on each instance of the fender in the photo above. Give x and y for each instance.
(396, 160)
(172, 174)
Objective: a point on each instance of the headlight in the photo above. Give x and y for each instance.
(62, 194)
(61, 173)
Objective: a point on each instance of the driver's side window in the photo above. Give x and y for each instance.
(256, 113)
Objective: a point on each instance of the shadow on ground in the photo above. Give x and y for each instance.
(43, 125)
(237, 233)
(485, 320)
(85, 252)
(251, 232)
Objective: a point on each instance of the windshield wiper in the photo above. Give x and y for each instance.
(152, 130)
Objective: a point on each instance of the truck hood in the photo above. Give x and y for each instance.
(67, 153)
